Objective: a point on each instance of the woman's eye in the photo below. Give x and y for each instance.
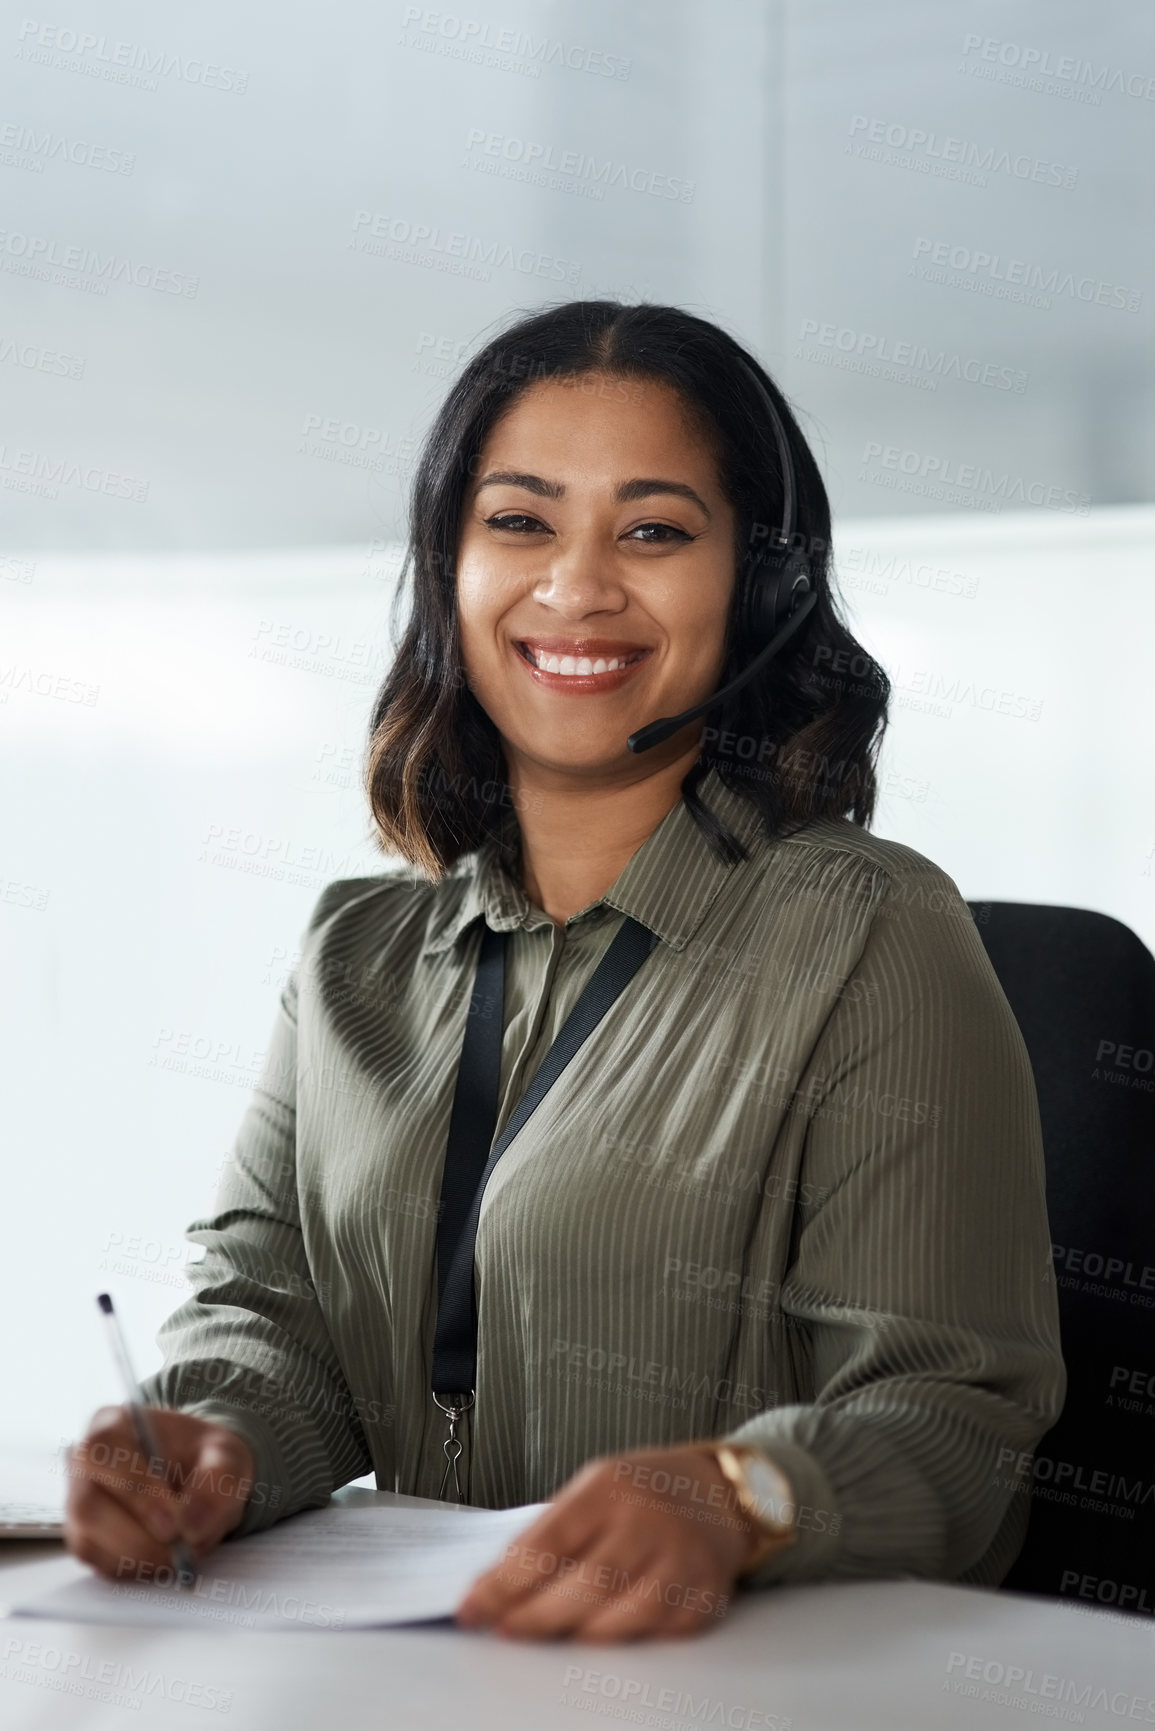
(651, 534)
(666, 529)
(512, 520)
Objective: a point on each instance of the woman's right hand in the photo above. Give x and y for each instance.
(122, 1519)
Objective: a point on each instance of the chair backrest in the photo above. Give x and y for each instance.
(1082, 987)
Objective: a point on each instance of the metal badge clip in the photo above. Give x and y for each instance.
(453, 1405)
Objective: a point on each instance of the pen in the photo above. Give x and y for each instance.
(183, 1567)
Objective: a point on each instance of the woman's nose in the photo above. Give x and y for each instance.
(579, 574)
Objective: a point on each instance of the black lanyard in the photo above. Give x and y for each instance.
(472, 1154)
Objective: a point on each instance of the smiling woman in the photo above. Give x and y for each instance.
(664, 477)
(654, 1140)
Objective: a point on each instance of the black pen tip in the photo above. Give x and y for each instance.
(104, 1302)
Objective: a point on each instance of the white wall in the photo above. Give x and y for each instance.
(1019, 754)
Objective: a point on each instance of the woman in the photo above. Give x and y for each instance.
(786, 1195)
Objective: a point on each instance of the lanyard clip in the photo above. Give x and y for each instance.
(452, 1405)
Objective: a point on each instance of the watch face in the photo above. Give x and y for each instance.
(775, 1503)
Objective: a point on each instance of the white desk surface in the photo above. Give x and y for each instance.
(840, 1656)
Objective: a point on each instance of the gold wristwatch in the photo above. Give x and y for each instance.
(762, 1493)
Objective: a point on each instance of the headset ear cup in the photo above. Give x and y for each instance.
(774, 589)
(749, 607)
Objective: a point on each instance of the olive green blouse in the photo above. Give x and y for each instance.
(790, 1191)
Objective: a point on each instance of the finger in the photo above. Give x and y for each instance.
(107, 1460)
(195, 1487)
(621, 1624)
(109, 1539)
(214, 1498)
(515, 1577)
(663, 1602)
(632, 1615)
(107, 1452)
(605, 1576)
(557, 1541)
(663, 1598)
(111, 1453)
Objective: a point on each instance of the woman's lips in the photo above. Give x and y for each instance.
(582, 683)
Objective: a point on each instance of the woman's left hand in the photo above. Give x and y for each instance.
(648, 1543)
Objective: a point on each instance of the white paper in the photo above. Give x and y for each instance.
(331, 1568)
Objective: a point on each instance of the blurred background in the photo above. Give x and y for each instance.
(243, 252)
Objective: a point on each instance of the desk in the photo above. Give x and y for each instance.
(837, 1656)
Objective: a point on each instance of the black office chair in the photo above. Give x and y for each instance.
(1082, 987)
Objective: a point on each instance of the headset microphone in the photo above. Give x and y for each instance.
(657, 731)
(777, 595)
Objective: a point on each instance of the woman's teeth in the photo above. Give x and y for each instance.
(579, 665)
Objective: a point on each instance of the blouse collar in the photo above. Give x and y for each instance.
(668, 885)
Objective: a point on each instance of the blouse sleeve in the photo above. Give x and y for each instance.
(920, 1296)
(251, 1349)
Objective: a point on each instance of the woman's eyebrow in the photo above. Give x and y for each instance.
(642, 488)
(532, 483)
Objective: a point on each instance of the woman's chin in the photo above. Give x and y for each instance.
(565, 753)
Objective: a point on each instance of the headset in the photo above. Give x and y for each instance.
(776, 592)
